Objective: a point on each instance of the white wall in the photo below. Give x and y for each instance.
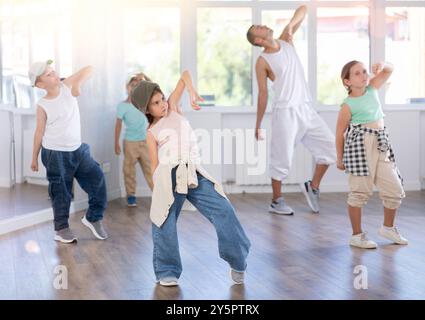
(5, 147)
(406, 127)
(422, 146)
(96, 33)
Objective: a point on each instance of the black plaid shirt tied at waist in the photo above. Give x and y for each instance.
(354, 157)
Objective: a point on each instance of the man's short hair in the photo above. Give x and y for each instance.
(250, 36)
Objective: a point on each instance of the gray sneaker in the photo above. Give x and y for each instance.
(280, 207)
(237, 276)
(311, 195)
(65, 236)
(95, 227)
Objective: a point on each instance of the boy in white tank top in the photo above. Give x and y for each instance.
(58, 135)
(293, 118)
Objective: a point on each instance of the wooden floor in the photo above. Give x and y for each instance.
(305, 256)
(22, 199)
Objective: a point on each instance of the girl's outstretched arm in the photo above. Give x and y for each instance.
(77, 79)
(185, 81)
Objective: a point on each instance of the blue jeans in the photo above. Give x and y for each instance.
(233, 244)
(62, 167)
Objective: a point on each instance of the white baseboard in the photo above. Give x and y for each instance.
(235, 189)
(140, 192)
(327, 187)
(5, 183)
(33, 218)
(37, 181)
(408, 186)
(230, 188)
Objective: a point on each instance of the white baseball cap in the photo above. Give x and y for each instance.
(130, 77)
(37, 69)
(139, 75)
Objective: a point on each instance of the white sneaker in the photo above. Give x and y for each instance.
(169, 282)
(393, 235)
(361, 241)
(237, 276)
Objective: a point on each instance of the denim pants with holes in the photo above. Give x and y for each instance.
(62, 167)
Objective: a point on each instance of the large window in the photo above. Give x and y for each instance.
(405, 48)
(32, 31)
(224, 56)
(152, 44)
(342, 35)
(15, 55)
(208, 37)
(42, 33)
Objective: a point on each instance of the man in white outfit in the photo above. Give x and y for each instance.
(293, 118)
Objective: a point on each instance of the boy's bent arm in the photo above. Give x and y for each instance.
(77, 79)
(185, 81)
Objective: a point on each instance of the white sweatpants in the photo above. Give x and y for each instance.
(293, 125)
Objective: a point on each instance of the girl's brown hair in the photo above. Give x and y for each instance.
(345, 73)
(148, 115)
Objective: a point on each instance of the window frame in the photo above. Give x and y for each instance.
(29, 20)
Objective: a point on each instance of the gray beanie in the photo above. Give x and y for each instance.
(141, 95)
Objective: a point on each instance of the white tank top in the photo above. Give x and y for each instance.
(63, 128)
(289, 87)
